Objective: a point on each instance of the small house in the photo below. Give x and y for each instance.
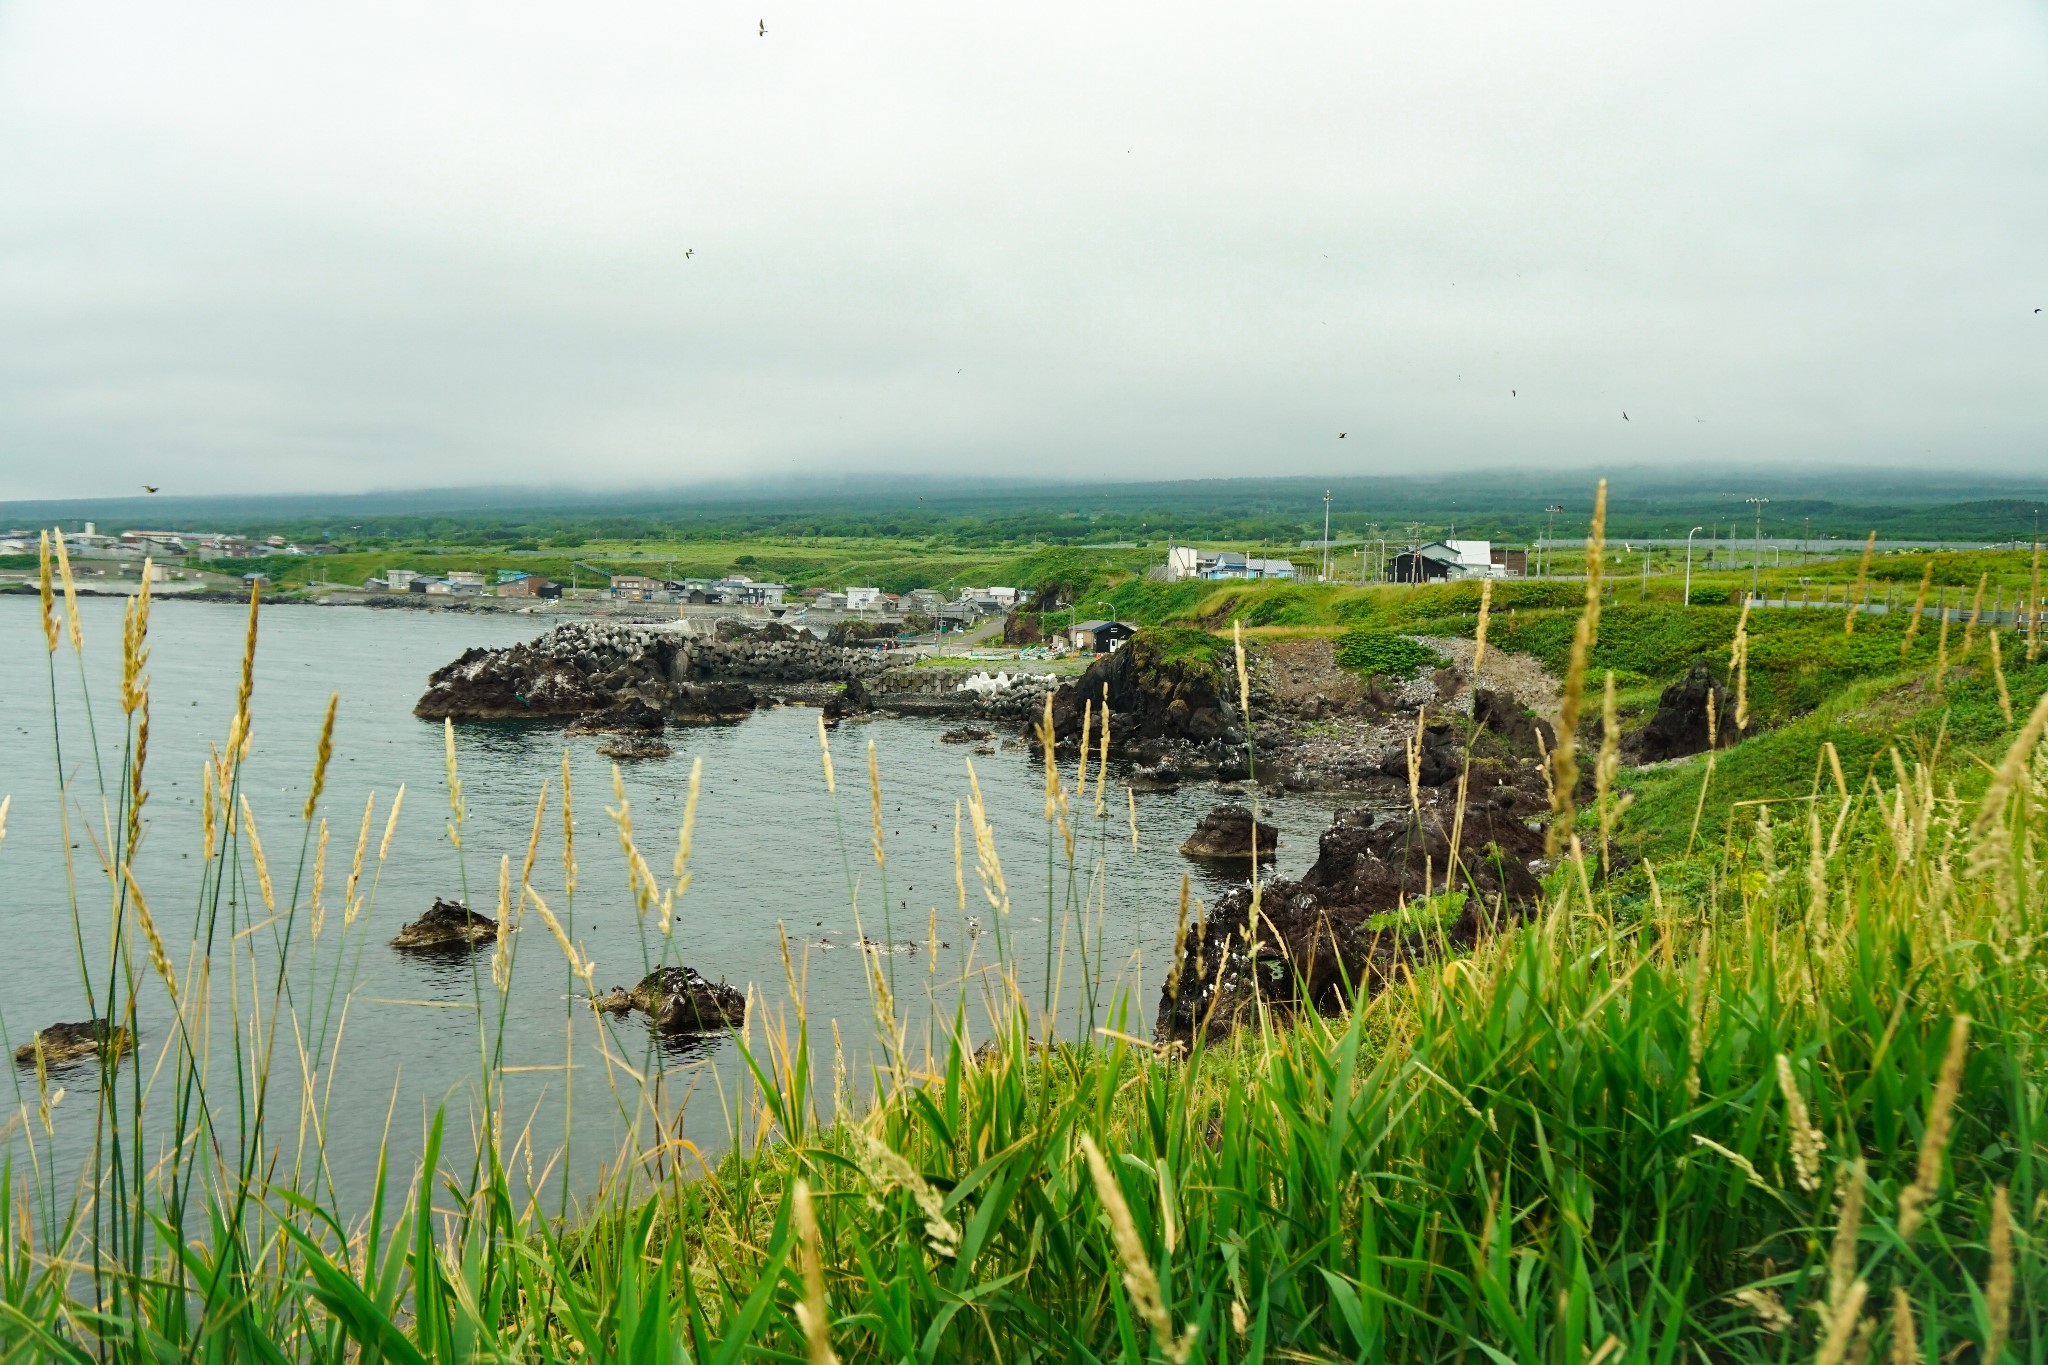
(863, 599)
(1099, 637)
(636, 587)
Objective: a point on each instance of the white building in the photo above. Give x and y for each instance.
(399, 580)
(863, 599)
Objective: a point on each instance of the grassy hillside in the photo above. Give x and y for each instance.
(1785, 1102)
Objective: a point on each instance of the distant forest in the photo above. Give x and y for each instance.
(1498, 505)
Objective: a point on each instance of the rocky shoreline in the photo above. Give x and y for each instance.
(637, 679)
(1175, 716)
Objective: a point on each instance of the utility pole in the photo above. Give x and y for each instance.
(1756, 559)
(1326, 535)
(1549, 525)
(1688, 564)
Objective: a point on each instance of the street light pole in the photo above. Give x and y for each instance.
(1326, 535)
(1549, 525)
(1756, 559)
(1688, 564)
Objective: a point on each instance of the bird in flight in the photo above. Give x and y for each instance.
(764, 28)
(1511, 393)
(1624, 417)
(688, 252)
(1342, 434)
(149, 488)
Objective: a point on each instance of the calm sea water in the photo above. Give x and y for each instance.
(767, 852)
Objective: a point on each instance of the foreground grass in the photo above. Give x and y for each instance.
(1788, 1105)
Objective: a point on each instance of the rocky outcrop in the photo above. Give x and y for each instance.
(851, 700)
(1679, 726)
(1021, 628)
(1316, 945)
(679, 1000)
(1438, 763)
(1515, 725)
(1226, 834)
(598, 670)
(450, 924)
(965, 734)
(63, 1044)
(1164, 708)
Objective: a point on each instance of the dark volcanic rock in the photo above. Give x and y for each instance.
(631, 747)
(1226, 833)
(1680, 725)
(1518, 727)
(851, 700)
(62, 1044)
(679, 1000)
(711, 703)
(627, 716)
(1315, 946)
(1439, 763)
(581, 668)
(450, 924)
(1156, 703)
(966, 734)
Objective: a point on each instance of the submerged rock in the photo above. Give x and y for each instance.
(679, 1000)
(450, 924)
(62, 1044)
(627, 716)
(1227, 832)
(966, 734)
(628, 748)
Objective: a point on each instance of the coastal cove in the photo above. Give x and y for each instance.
(769, 850)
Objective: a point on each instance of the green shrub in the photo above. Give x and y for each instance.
(1383, 654)
(1710, 595)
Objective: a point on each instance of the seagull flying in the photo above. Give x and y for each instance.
(1624, 416)
(1342, 434)
(764, 28)
(151, 488)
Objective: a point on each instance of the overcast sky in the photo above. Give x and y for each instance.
(251, 246)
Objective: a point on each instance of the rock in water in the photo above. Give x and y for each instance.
(679, 1000)
(630, 747)
(627, 716)
(450, 924)
(966, 734)
(1160, 702)
(61, 1044)
(1226, 833)
(1319, 945)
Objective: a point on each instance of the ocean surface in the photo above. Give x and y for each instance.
(771, 849)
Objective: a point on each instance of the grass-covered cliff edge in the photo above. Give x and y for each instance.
(1770, 1089)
